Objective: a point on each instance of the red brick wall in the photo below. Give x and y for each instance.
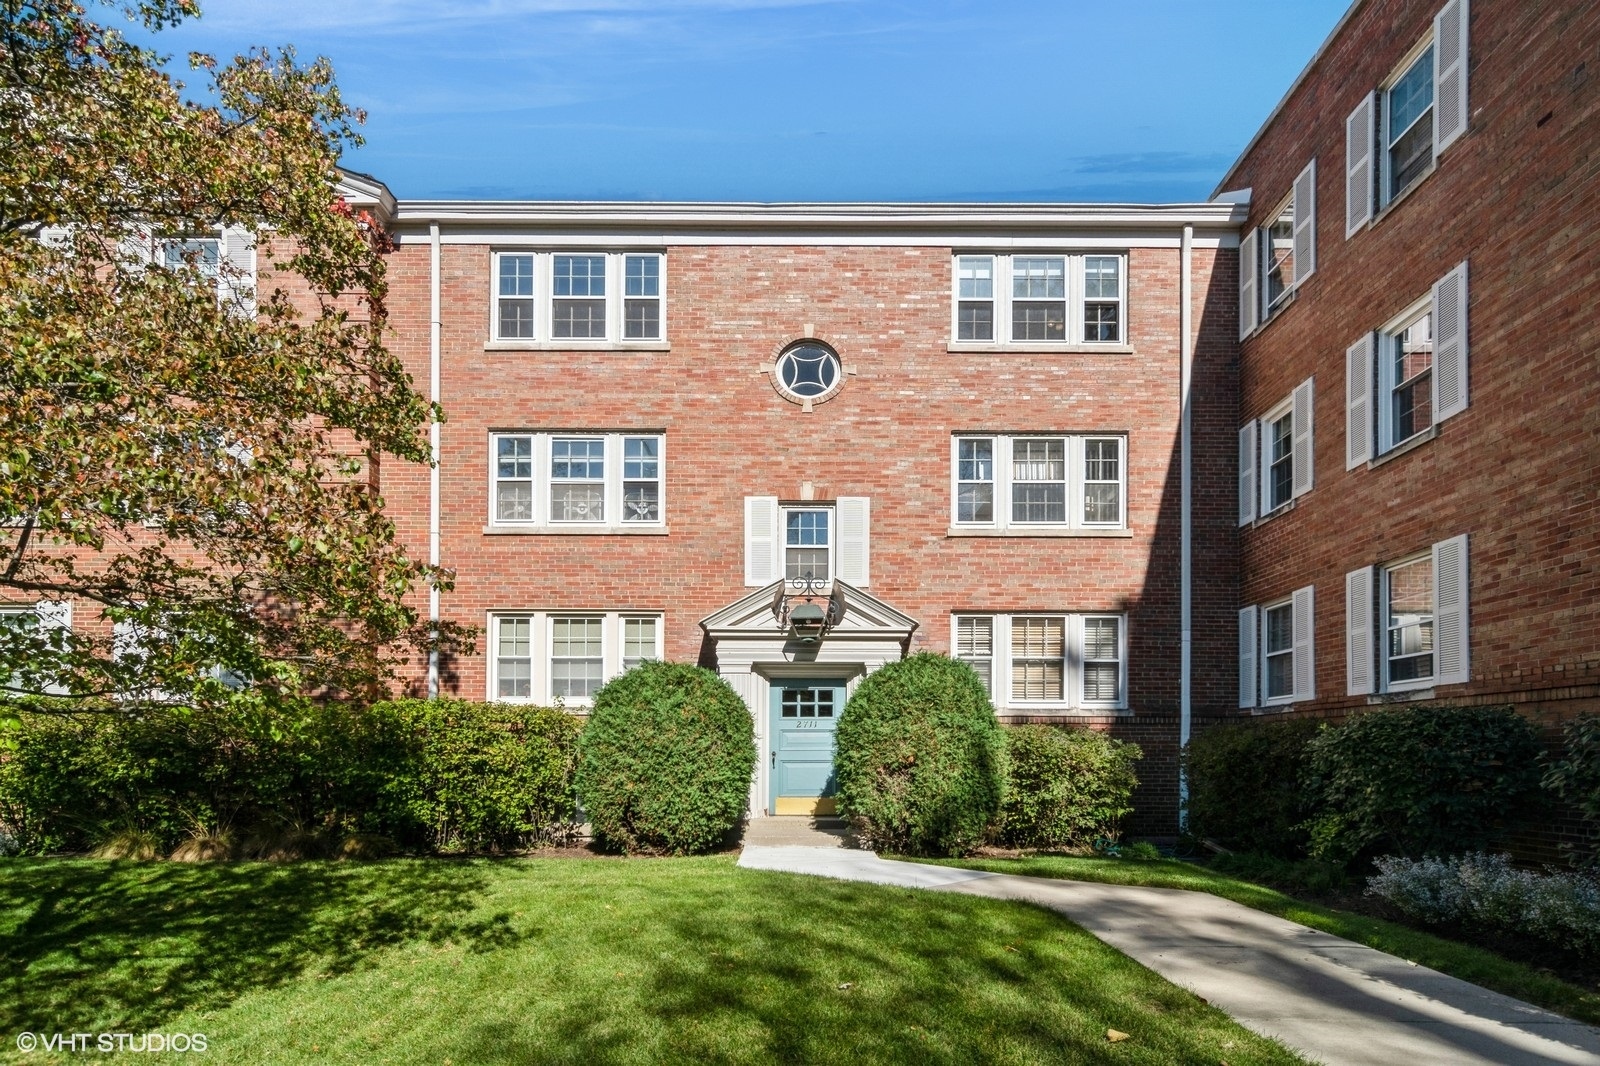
(1517, 197)
(885, 435)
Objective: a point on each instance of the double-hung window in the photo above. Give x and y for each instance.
(1396, 133)
(224, 259)
(801, 541)
(1040, 483)
(1046, 661)
(1028, 300)
(807, 544)
(33, 637)
(577, 481)
(1410, 375)
(583, 297)
(1276, 456)
(542, 657)
(1275, 651)
(1276, 258)
(1406, 621)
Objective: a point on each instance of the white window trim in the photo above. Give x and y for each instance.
(1075, 298)
(1077, 472)
(1381, 162)
(1000, 663)
(1255, 252)
(1255, 455)
(1301, 651)
(1382, 629)
(1388, 335)
(614, 478)
(784, 511)
(544, 300)
(541, 638)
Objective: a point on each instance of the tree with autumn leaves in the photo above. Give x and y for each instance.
(183, 449)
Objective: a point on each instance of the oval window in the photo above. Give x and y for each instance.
(808, 371)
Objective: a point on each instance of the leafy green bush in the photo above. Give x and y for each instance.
(666, 759)
(1247, 785)
(240, 779)
(920, 758)
(1064, 787)
(1303, 877)
(1575, 778)
(1420, 780)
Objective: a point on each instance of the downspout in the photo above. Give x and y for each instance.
(433, 472)
(1186, 476)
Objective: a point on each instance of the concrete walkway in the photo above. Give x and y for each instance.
(1332, 1000)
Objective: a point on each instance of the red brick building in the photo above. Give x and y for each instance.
(1419, 440)
(964, 422)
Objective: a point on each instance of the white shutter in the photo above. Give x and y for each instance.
(1360, 135)
(1358, 649)
(1452, 663)
(1248, 309)
(1303, 612)
(238, 274)
(1449, 74)
(1247, 473)
(1304, 455)
(854, 514)
(762, 555)
(1247, 657)
(1450, 344)
(137, 247)
(1305, 222)
(1358, 366)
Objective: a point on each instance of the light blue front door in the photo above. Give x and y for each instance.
(804, 715)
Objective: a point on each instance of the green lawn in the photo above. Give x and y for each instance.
(1469, 963)
(589, 961)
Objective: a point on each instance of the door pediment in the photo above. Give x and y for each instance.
(866, 618)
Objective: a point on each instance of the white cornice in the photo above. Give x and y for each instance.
(814, 217)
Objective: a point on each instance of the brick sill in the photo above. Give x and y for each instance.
(576, 346)
(564, 531)
(1282, 508)
(1064, 347)
(957, 531)
(1063, 712)
(1404, 696)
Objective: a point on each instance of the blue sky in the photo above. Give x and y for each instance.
(1138, 100)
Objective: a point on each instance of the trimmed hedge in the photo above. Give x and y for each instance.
(444, 775)
(919, 758)
(1422, 780)
(1247, 785)
(1064, 787)
(666, 760)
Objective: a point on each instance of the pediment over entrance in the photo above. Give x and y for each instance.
(865, 618)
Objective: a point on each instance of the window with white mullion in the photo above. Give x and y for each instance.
(1277, 652)
(513, 660)
(515, 302)
(578, 296)
(1038, 298)
(1407, 614)
(975, 297)
(974, 645)
(1277, 459)
(513, 478)
(1407, 124)
(641, 479)
(642, 293)
(577, 657)
(1405, 379)
(1038, 659)
(975, 479)
(1102, 660)
(1102, 481)
(1038, 480)
(808, 544)
(1102, 298)
(577, 479)
(639, 641)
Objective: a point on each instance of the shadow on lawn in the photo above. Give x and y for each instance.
(91, 946)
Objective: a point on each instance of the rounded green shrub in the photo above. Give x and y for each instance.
(919, 758)
(1423, 780)
(666, 760)
(1064, 787)
(1575, 779)
(1247, 785)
